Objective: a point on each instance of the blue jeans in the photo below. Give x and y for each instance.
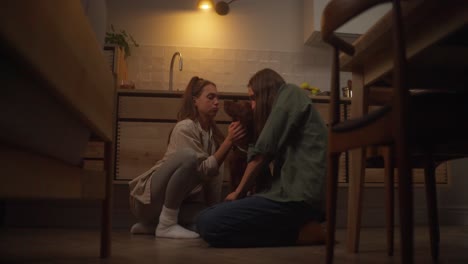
(254, 222)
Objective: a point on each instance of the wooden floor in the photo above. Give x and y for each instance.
(67, 246)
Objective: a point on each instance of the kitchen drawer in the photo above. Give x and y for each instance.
(376, 175)
(157, 108)
(149, 107)
(324, 110)
(139, 146)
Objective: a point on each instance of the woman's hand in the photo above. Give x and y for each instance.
(235, 132)
(232, 196)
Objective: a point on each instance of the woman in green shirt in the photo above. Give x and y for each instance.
(289, 153)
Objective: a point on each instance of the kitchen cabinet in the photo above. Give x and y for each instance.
(375, 176)
(145, 119)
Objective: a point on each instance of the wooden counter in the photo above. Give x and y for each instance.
(57, 91)
(145, 118)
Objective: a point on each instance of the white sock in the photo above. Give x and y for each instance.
(141, 228)
(168, 227)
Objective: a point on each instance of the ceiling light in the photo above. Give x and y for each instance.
(205, 4)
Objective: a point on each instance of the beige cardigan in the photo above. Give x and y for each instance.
(186, 133)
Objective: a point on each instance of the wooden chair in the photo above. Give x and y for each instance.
(383, 157)
(406, 124)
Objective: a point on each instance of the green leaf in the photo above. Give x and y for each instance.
(120, 39)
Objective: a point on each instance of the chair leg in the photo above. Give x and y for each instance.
(406, 212)
(389, 190)
(431, 197)
(106, 204)
(2, 213)
(405, 200)
(355, 197)
(332, 187)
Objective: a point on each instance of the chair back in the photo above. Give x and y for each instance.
(337, 13)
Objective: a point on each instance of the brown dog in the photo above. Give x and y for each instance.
(242, 112)
(239, 111)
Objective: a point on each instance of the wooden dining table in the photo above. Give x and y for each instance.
(437, 54)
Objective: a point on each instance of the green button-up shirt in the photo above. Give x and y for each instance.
(295, 136)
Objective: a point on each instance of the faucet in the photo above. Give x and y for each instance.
(171, 70)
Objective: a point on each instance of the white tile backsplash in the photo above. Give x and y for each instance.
(230, 69)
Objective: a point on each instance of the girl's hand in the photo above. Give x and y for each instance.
(232, 196)
(235, 132)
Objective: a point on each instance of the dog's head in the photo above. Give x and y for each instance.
(241, 111)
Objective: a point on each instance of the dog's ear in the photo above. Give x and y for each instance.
(245, 111)
(239, 111)
(232, 109)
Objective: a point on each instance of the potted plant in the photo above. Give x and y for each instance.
(122, 40)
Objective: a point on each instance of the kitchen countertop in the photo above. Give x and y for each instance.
(222, 95)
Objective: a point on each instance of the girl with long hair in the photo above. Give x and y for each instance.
(289, 154)
(195, 152)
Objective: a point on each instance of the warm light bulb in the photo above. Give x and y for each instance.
(205, 4)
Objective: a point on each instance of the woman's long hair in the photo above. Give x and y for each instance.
(188, 109)
(265, 85)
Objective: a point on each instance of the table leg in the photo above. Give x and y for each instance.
(356, 172)
(106, 217)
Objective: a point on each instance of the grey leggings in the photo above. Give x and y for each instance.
(170, 185)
